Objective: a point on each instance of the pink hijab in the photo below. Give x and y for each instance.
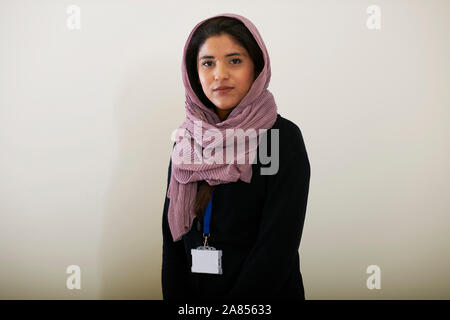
(257, 110)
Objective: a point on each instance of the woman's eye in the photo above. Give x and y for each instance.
(234, 61)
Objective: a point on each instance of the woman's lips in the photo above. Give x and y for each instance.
(223, 90)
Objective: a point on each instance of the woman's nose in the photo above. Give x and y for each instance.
(220, 72)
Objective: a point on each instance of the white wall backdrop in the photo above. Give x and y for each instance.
(86, 116)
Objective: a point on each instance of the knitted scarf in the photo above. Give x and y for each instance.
(257, 110)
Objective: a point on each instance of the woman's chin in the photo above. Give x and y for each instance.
(224, 106)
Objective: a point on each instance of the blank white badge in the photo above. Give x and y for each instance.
(206, 260)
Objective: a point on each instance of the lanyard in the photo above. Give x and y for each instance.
(206, 221)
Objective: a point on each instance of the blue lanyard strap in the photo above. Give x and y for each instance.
(207, 217)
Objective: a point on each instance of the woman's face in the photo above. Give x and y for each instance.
(221, 61)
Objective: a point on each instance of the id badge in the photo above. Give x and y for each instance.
(206, 260)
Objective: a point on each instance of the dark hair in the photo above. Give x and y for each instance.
(214, 27)
(202, 199)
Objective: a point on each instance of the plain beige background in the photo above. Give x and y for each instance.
(86, 117)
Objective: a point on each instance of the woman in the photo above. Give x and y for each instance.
(255, 220)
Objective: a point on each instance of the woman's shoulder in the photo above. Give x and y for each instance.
(288, 130)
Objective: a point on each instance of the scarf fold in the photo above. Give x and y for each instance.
(257, 110)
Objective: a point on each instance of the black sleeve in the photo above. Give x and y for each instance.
(272, 258)
(174, 273)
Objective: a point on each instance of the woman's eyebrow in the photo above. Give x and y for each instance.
(228, 55)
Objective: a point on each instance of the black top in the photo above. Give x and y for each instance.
(258, 226)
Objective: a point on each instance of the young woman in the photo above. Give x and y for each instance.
(231, 232)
